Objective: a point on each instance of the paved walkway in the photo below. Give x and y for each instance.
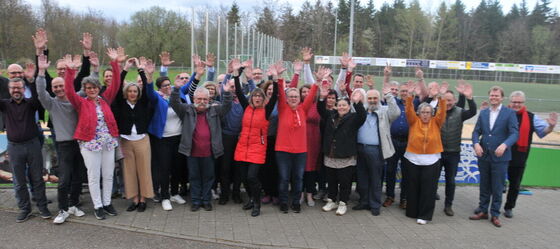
(536, 224)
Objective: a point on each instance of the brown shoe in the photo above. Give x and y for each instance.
(479, 216)
(496, 221)
(388, 202)
(402, 205)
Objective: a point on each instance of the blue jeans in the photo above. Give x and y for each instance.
(449, 162)
(370, 175)
(290, 169)
(492, 179)
(201, 177)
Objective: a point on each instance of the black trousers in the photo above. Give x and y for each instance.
(269, 171)
(70, 169)
(450, 162)
(339, 183)
(168, 162)
(515, 176)
(250, 178)
(228, 171)
(421, 190)
(309, 180)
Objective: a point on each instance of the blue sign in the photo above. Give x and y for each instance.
(417, 63)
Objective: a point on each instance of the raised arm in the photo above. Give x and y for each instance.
(111, 92)
(69, 90)
(310, 99)
(409, 111)
(272, 101)
(44, 97)
(175, 103)
(238, 90)
(441, 112)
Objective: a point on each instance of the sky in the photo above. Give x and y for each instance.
(121, 10)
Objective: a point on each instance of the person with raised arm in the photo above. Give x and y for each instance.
(201, 139)
(133, 116)
(339, 145)
(529, 123)
(291, 143)
(96, 131)
(250, 152)
(64, 118)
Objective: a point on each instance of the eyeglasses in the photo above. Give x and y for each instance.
(91, 88)
(517, 102)
(166, 85)
(17, 72)
(183, 78)
(293, 96)
(16, 87)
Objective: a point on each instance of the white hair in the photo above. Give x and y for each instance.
(201, 90)
(517, 94)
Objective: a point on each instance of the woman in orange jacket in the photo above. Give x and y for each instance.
(422, 156)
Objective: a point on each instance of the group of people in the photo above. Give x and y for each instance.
(262, 132)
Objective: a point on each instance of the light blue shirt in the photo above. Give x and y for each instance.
(368, 133)
(540, 126)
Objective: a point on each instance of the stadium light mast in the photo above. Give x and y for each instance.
(335, 34)
(351, 38)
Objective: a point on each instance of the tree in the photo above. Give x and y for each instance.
(266, 22)
(233, 14)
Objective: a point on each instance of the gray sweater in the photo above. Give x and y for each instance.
(63, 114)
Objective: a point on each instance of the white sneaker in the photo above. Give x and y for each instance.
(421, 221)
(341, 208)
(76, 211)
(215, 195)
(310, 202)
(61, 217)
(329, 206)
(178, 199)
(166, 204)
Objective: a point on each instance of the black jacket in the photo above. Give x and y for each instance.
(126, 116)
(340, 139)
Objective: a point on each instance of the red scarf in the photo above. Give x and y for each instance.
(524, 128)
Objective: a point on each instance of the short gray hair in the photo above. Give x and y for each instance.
(394, 83)
(201, 90)
(128, 85)
(424, 105)
(91, 80)
(517, 94)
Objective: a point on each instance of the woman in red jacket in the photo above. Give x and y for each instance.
(250, 151)
(96, 131)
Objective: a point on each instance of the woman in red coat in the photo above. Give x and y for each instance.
(250, 151)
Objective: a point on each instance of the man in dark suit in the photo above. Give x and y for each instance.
(496, 131)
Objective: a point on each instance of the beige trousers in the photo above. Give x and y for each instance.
(137, 168)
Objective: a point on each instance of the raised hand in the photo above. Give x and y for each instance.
(29, 71)
(165, 58)
(248, 71)
(419, 73)
(552, 119)
(324, 89)
(344, 59)
(86, 41)
(200, 70)
(388, 70)
(210, 60)
(121, 55)
(235, 64)
(433, 91)
(460, 88)
(40, 39)
(280, 68)
(94, 60)
(230, 67)
(443, 88)
(196, 59)
(149, 67)
(77, 60)
(43, 64)
(351, 65)
(130, 63)
(113, 54)
(306, 55)
(357, 97)
(67, 61)
(468, 91)
(298, 66)
(370, 82)
(141, 62)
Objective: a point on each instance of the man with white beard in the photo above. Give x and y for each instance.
(374, 146)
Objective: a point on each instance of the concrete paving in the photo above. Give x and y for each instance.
(536, 224)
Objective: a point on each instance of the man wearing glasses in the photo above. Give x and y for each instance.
(529, 123)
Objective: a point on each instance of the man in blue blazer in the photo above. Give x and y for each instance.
(495, 132)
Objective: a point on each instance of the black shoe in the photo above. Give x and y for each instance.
(448, 211)
(110, 210)
(375, 212)
(207, 206)
(141, 206)
(195, 207)
(223, 200)
(45, 213)
(157, 198)
(248, 205)
(437, 197)
(256, 210)
(133, 206)
(23, 216)
(508, 213)
(296, 208)
(237, 199)
(361, 207)
(99, 213)
(284, 208)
